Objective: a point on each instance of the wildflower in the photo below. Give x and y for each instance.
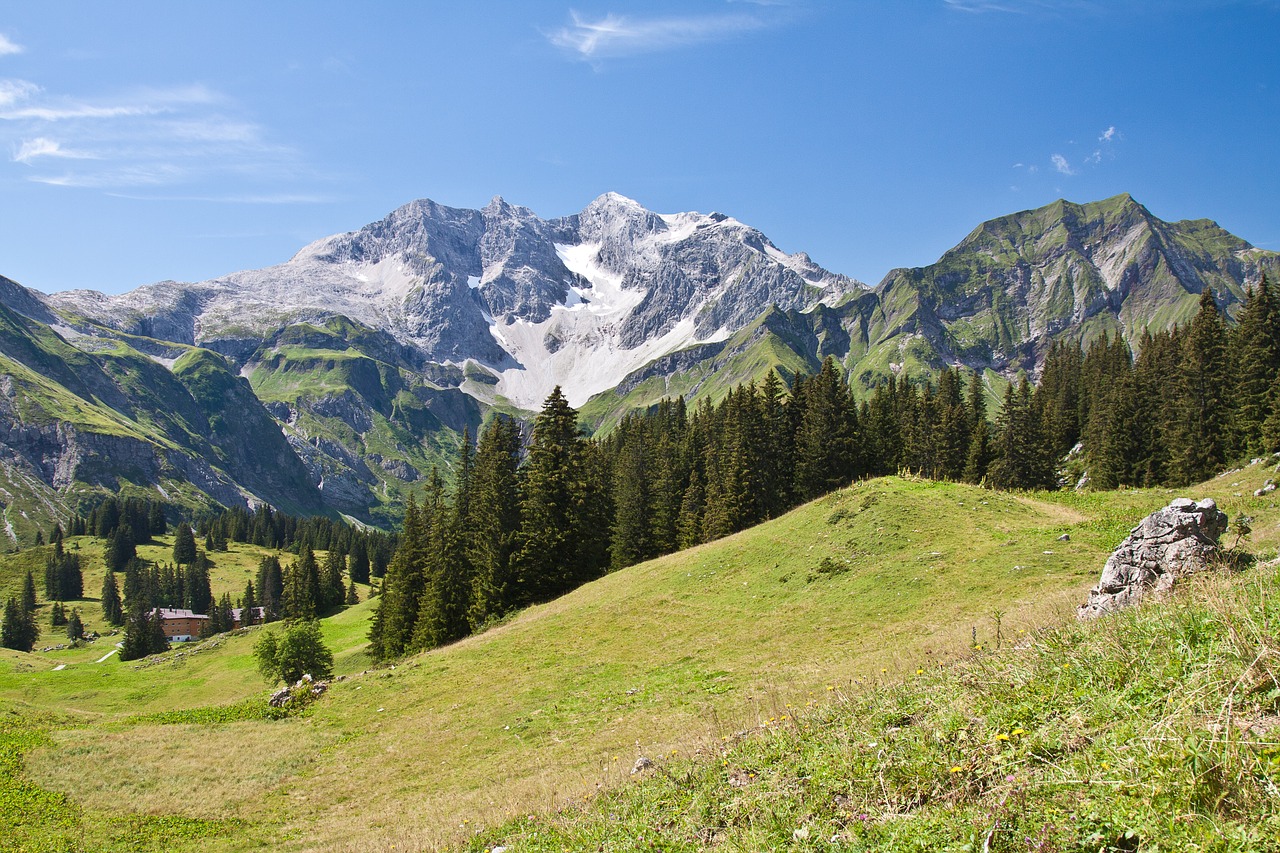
(919, 672)
(957, 769)
(1019, 732)
(1002, 736)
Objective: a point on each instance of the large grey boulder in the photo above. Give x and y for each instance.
(1179, 540)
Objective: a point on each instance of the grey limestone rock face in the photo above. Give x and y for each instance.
(1179, 540)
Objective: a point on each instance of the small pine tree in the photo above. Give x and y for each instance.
(75, 628)
(57, 615)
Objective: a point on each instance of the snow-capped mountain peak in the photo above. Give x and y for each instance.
(579, 301)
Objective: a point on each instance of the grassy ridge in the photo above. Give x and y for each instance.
(879, 580)
(1153, 730)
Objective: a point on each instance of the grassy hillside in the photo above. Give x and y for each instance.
(866, 586)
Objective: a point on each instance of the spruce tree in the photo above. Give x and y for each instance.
(358, 561)
(156, 520)
(978, 454)
(392, 627)
(29, 593)
(549, 556)
(1201, 438)
(120, 548)
(1254, 354)
(270, 588)
(75, 627)
(301, 595)
(112, 611)
(18, 630)
(248, 606)
(184, 545)
(494, 520)
(632, 531)
(353, 594)
(825, 439)
(143, 634)
(57, 615)
(332, 588)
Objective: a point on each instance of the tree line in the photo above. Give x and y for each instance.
(528, 521)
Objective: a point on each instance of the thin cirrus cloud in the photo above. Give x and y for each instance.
(33, 149)
(615, 36)
(8, 47)
(145, 139)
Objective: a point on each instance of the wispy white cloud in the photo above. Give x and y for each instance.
(1109, 134)
(33, 149)
(979, 6)
(141, 175)
(7, 46)
(1061, 165)
(619, 35)
(1020, 7)
(14, 91)
(144, 137)
(269, 198)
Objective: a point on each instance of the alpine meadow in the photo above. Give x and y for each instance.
(580, 526)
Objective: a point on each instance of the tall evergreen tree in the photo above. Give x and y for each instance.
(358, 561)
(197, 590)
(979, 453)
(1254, 353)
(825, 436)
(184, 544)
(494, 520)
(248, 606)
(391, 630)
(1021, 460)
(120, 548)
(551, 556)
(301, 595)
(143, 634)
(332, 587)
(18, 630)
(1201, 439)
(632, 531)
(270, 587)
(112, 609)
(29, 593)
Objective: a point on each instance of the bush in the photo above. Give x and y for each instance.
(298, 651)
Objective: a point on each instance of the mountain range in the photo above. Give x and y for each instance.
(332, 382)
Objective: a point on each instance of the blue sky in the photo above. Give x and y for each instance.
(141, 141)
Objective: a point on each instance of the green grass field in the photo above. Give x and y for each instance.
(851, 593)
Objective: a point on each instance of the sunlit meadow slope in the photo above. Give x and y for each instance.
(877, 580)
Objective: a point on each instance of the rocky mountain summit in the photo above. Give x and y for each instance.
(531, 303)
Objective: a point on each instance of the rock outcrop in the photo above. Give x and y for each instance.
(1179, 540)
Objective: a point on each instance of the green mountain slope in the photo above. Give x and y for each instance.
(867, 584)
(995, 302)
